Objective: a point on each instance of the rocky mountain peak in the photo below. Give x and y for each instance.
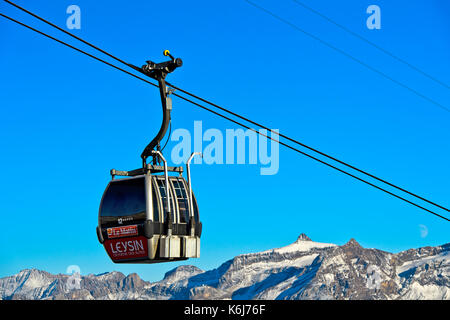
(303, 237)
(301, 270)
(28, 272)
(352, 243)
(182, 272)
(132, 281)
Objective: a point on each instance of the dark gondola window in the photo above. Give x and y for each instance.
(162, 191)
(182, 199)
(155, 206)
(124, 198)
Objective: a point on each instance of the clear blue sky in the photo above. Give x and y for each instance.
(67, 120)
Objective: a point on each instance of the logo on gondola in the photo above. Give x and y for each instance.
(119, 232)
(127, 249)
(122, 220)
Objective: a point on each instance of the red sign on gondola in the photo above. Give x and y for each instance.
(121, 232)
(129, 248)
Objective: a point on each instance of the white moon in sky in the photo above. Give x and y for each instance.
(423, 230)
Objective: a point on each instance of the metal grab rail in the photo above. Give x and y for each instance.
(166, 178)
(191, 204)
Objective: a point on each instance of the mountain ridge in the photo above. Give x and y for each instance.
(301, 270)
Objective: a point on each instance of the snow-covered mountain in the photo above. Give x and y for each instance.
(301, 270)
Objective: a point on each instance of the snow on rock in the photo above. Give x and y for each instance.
(442, 258)
(181, 273)
(303, 243)
(427, 292)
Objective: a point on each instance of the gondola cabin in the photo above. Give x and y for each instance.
(149, 216)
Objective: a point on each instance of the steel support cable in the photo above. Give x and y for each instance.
(314, 158)
(360, 37)
(233, 113)
(66, 32)
(311, 148)
(344, 53)
(229, 119)
(76, 49)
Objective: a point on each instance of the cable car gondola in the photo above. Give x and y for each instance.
(150, 214)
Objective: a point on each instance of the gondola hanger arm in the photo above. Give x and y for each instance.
(159, 71)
